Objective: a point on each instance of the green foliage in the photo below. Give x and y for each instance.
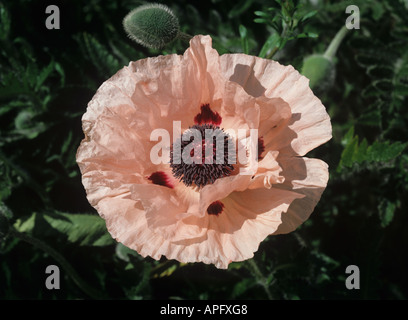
(5, 22)
(243, 32)
(98, 55)
(239, 8)
(82, 229)
(286, 22)
(356, 152)
(386, 210)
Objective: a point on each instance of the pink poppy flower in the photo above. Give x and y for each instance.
(158, 204)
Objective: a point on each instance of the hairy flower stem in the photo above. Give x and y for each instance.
(61, 260)
(184, 36)
(262, 280)
(335, 43)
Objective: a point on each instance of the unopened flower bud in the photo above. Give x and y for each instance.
(320, 68)
(152, 25)
(320, 71)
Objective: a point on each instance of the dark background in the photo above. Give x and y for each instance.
(47, 78)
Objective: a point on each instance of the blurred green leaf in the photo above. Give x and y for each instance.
(384, 151)
(27, 125)
(307, 35)
(244, 38)
(241, 287)
(271, 43)
(26, 225)
(136, 292)
(5, 210)
(124, 253)
(262, 14)
(84, 229)
(239, 8)
(355, 152)
(5, 22)
(308, 16)
(98, 54)
(370, 118)
(386, 210)
(43, 75)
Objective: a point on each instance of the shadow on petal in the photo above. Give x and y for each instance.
(245, 76)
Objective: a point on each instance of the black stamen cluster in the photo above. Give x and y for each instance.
(203, 173)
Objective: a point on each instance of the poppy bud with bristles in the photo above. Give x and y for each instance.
(152, 25)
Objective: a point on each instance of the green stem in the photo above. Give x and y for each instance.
(335, 43)
(184, 36)
(272, 53)
(282, 36)
(60, 259)
(161, 265)
(260, 278)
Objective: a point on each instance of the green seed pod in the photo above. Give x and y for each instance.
(152, 25)
(320, 70)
